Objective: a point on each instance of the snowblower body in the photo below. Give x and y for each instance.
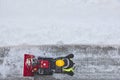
(47, 66)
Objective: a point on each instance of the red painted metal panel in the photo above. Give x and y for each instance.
(27, 65)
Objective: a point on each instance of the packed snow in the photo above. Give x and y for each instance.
(37, 22)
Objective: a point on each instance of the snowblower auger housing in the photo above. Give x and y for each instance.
(47, 66)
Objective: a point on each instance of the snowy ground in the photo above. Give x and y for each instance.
(37, 22)
(92, 62)
(68, 21)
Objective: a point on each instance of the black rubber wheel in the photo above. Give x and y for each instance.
(70, 56)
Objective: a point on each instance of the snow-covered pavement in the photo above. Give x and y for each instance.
(92, 62)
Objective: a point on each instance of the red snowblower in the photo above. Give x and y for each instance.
(47, 66)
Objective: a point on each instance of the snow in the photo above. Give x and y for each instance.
(37, 22)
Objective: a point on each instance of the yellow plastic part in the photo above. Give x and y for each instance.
(60, 63)
(68, 70)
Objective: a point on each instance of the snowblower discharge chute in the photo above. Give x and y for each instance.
(47, 66)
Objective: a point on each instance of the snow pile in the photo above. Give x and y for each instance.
(51, 21)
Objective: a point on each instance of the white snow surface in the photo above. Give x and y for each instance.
(37, 22)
